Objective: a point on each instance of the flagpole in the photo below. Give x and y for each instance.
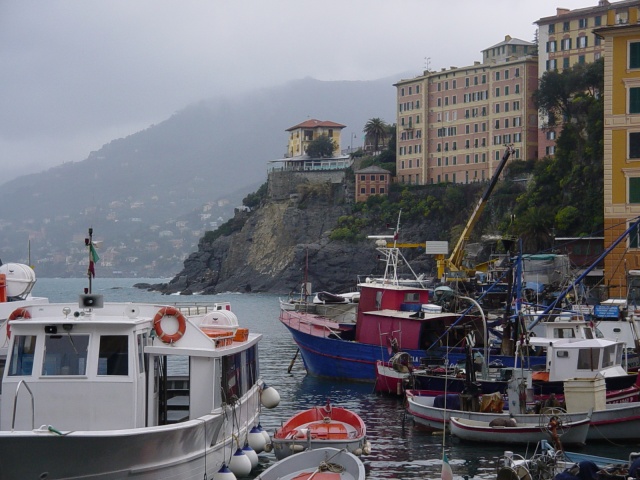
(90, 258)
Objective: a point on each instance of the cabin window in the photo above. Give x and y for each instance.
(609, 356)
(65, 354)
(142, 341)
(239, 374)
(24, 347)
(563, 333)
(411, 297)
(113, 357)
(588, 359)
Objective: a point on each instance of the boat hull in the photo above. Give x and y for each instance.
(325, 355)
(306, 464)
(480, 431)
(619, 422)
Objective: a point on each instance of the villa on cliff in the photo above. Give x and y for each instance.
(300, 137)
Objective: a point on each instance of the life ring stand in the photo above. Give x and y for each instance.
(169, 312)
(15, 315)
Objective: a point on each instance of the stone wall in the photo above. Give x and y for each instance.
(283, 184)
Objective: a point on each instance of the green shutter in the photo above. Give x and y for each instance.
(634, 190)
(634, 100)
(634, 55)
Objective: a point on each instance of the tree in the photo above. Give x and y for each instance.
(321, 147)
(376, 129)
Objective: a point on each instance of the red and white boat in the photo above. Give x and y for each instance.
(318, 427)
(574, 433)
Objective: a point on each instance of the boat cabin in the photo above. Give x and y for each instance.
(95, 366)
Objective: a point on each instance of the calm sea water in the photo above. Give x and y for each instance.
(399, 451)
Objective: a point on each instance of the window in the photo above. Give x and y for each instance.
(506, 74)
(497, 108)
(497, 92)
(373, 177)
(582, 42)
(633, 236)
(551, 135)
(634, 145)
(506, 106)
(65, 354)
(517, 88)
(565, 62)
(588, 358)
(381, 189)
(566, 26)
(113, 358)
(551, 46)
(582, 23)
(552, 28)
(634, 55)
(373, 190)
(506, 90)
(597, 21)
(363, 191)
(362, 177)
(516, 105)
(497, 76)
(382, 178)
(634, 100)
(24, 347)
(565, 44)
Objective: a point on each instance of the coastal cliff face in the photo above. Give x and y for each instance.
(286, 236)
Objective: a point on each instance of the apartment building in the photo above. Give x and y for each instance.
(452, 125)
(370, 181)
(621, 144)
(568, 38)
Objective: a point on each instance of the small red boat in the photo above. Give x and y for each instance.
(319, 427)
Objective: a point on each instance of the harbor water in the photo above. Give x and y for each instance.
(398, 449)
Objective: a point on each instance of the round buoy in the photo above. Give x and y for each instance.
(256, 439)
(251, 455)
(240, 464)
(224, 474)
(269, 397)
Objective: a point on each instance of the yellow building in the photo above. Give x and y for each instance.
(621, 37)
(301, 135)
(567, 38)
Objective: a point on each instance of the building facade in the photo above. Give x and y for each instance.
(567, 38)
(301, 135)
(372, 181)
(621, 145)
(453, 125)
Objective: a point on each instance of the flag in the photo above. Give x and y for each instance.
(446, 474)
(93, 259)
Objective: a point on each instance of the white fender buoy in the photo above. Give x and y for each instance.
(240, 464)
(251, 455)
(269, 397)
(224, 474)
(256, 440)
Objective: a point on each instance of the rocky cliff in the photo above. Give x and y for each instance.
(287, 235)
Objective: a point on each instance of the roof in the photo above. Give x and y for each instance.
(372, 169)
(563, 14)
(313, 123)
(510, 41)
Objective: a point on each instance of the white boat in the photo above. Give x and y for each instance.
(618, 421)
(16, 284)
(511, 432)
(319, 463)
(86, 392)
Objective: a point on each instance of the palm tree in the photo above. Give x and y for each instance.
(376, 129)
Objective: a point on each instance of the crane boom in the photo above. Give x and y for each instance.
(454, 262)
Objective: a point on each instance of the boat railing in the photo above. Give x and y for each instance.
(15, 405)
(192, 309)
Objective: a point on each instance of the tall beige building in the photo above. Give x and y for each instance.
(452, 125)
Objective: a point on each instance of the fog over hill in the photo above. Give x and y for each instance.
(150, 196)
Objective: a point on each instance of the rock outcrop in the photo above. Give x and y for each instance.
(288, 234)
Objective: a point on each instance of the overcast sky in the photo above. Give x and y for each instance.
(75, 74)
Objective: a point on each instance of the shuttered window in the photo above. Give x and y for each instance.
(634, 55)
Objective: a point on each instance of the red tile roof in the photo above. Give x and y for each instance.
(313, 123)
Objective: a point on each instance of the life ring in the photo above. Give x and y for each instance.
(15, 315)
(169, 312)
